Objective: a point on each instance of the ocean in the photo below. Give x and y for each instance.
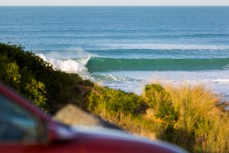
(127, 47)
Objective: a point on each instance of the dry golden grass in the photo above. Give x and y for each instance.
(201, 126)
(200, 117)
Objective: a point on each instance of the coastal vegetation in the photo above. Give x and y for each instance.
(37, 80)
(189, 116)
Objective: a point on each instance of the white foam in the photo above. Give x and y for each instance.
(223, 81)
(226, 67)
(68, 65)
(167, 46)
(217, 80)
(72, 60)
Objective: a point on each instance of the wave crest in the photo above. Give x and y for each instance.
(100, 64)
(67, 65)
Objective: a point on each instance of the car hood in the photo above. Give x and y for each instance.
(122, 135)
(100, 131)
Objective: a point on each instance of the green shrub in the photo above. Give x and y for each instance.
(115, 101)
(9, 72)
(36, 79)
(160, 101)
(36, 92)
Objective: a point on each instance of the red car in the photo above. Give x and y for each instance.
(24, 128)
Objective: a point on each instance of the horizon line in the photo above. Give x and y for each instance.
(114, 5)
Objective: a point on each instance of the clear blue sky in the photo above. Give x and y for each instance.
(115, 2)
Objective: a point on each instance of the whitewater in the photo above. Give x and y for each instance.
(127, 47)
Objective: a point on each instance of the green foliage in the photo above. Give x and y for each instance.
(153, 93)
(36, 79)
(12, 73)
(158, 99)
(22, 81)
(115, 101)
(36, 92)
(9, 72)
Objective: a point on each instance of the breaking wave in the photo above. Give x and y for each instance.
(92, 64)
(72, 60)
(99, 64)
(66, 65)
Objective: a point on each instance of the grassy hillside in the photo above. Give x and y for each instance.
(190, 117)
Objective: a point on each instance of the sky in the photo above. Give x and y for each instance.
(115, 2)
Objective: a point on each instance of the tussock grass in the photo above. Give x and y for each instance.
(187, 116)
(201, 125)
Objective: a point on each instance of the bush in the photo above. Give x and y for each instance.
(115, 101)
(11, 74)
(36, 92)
(36, 79)
(160, 101)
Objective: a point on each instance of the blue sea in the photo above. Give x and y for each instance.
(127, 47)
